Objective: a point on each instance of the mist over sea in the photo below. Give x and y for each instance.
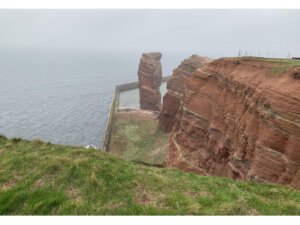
(63, 96)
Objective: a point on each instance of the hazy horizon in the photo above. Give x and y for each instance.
(210, 32)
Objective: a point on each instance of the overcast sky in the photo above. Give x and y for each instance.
(213, 33)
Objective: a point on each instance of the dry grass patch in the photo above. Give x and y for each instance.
(11, 183)
(197, 194)
(73, 193)
(114, 205)
(194, 208)
(2, 151)
(46, 180)
(149, 198)
(241, 207)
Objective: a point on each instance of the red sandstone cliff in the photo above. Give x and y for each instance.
(175, 86)
(150, 77)
(237, 119)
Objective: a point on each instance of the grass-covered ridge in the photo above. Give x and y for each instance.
(42, 178)
(279, 66)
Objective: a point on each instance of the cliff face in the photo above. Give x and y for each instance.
(150, 76)
(175, 86)
(240, 120)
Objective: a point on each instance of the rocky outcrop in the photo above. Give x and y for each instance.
(175, 86)
(150, 77)
(238, 119)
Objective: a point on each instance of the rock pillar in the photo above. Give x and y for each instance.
(150, 77)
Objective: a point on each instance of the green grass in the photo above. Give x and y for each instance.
(42, 178)
(138, 138)
(280, 66)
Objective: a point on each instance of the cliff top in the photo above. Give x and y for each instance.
(277, 80)
(281, 75)
(152, 55)
(277, 66)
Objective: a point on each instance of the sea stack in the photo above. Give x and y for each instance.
(150, 77)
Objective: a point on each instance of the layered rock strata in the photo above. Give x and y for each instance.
(175, 87)
(240, 120)
(150, 77)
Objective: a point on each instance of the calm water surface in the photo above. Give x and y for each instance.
(131, 98)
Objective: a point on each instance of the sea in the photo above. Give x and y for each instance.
(63, 96)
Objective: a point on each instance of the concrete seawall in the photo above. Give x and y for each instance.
(115, 105)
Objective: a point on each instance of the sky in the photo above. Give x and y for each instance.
(214, 33)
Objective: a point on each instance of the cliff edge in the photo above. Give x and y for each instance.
(175, 87)
(240, 118)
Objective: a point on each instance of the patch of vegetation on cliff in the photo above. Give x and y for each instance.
(42, 178)
(280, 66)
(137, 137)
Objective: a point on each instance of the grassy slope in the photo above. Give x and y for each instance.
(42, 178)
(136, 137)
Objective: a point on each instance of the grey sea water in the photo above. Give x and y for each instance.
(62, 96)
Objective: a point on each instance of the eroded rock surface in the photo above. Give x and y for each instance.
(239, 120)
(175, 86)
(150, 77)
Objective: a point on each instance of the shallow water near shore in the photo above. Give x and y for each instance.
(130, 98)
(63, 96)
